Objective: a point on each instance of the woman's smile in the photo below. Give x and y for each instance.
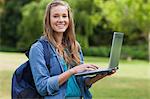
(60, 25)
(59, 19)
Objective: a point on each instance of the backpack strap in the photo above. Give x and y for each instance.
(27, 51)
(46, 53)
(45, 50)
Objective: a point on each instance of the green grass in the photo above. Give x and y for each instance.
(5, 84)
(121, 88)
(131, 81)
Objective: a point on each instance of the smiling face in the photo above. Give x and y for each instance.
(59, 18)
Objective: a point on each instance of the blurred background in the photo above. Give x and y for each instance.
(95, 21)
(21, 22)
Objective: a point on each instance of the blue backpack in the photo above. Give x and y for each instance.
(23, 85)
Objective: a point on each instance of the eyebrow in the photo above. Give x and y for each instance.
(58, 14)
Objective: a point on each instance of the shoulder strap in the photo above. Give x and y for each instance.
(46, 53)
(27, 51)
(45, 50)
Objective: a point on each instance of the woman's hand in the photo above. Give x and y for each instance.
(83, 67)
(98, 77)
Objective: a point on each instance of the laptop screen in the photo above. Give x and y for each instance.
(115, 49)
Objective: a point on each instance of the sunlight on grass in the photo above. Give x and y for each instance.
(132, 69)
(9, 61)
(121, 88)
(5, 84)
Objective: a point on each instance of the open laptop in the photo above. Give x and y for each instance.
(113, 59)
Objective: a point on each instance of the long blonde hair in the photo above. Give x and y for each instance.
(69, 39)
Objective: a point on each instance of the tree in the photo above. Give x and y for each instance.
(143, 20)
(10, 17)
(128, 16)
(86, 16)
(31, 26)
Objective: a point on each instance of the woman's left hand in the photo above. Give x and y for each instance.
(98, 77)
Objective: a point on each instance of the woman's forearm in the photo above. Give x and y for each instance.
(64, 76)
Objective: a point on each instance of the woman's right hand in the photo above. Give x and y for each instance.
(83, 67)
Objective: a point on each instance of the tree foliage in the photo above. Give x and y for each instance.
(127, 16)
(130, 17)
(10, 17)
(22, 21)
(86, 16)
(9, 20)
(31, 26)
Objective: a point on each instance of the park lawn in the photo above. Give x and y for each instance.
(132, 80)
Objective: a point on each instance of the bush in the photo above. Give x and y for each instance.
(8, 49)
(127, 52)
(83, 41)
(96, 51)
(135, 52)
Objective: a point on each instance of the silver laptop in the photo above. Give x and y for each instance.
(113, 59)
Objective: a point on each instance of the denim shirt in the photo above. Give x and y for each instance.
(47, 82)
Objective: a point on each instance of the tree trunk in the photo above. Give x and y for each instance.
(149, 47)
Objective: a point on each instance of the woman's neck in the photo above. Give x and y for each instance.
(58, 38)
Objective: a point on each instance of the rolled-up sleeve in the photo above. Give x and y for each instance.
(45, 84)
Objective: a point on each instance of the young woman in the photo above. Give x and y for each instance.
(65, 60)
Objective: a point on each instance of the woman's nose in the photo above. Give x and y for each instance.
(60, 19)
